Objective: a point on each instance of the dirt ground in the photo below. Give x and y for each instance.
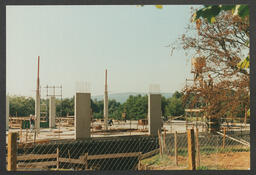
(217, 161)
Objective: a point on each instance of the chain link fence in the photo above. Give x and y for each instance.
(167, 151)
(117, 153)
(212, 152)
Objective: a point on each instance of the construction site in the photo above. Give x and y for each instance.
(81, 142)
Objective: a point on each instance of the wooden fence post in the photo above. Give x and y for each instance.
(59, 126)
(245, 117)
(171, 124)
(197, 148)
(20, 136)
(35, 136)
(58, 160)
(164, 143)
(69, 155)
(186, 123)
(12, 151)
(160, 144)
(224, 137)
(139, 163)
(191, 149)
(176, 148)
(85, 161)
(26, 135)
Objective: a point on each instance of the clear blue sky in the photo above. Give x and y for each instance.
(77, 43)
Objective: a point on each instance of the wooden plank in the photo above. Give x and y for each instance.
(37, 164)
(12, 151)
(69, 160)
(32, 144)
(36, 156)
(15, 126)
(191, 150)
(19, 118)
(112, 156)
(149, 154)
(194, 110)
(239, 141)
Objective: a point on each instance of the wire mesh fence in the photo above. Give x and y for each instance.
(167, 151)
(212, 151)
(120, 153)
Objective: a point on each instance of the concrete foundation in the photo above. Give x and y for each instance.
(7, 112)
(52, 112)
(82, 115)
(154, 113)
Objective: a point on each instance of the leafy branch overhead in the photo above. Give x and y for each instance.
(210, 13)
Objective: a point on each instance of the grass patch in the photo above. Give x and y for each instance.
(155, 160)
(158, 160)
(202, 168)
(209, 168)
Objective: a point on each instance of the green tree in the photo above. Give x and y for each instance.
(136, 107)
(211, 11)
(175, 107)
(114, 109)
(177, 94)
(164, 103)
(22, 106)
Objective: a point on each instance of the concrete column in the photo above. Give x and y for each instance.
(52, 112)
(154, 113)
(7, 112)
(82, 115)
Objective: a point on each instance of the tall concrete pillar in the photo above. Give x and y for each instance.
(154, 113)
(52, 112)
(7, 112)
(82, 115)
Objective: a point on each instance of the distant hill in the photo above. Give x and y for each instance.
(122, 97)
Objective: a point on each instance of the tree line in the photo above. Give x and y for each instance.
(135, 107)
